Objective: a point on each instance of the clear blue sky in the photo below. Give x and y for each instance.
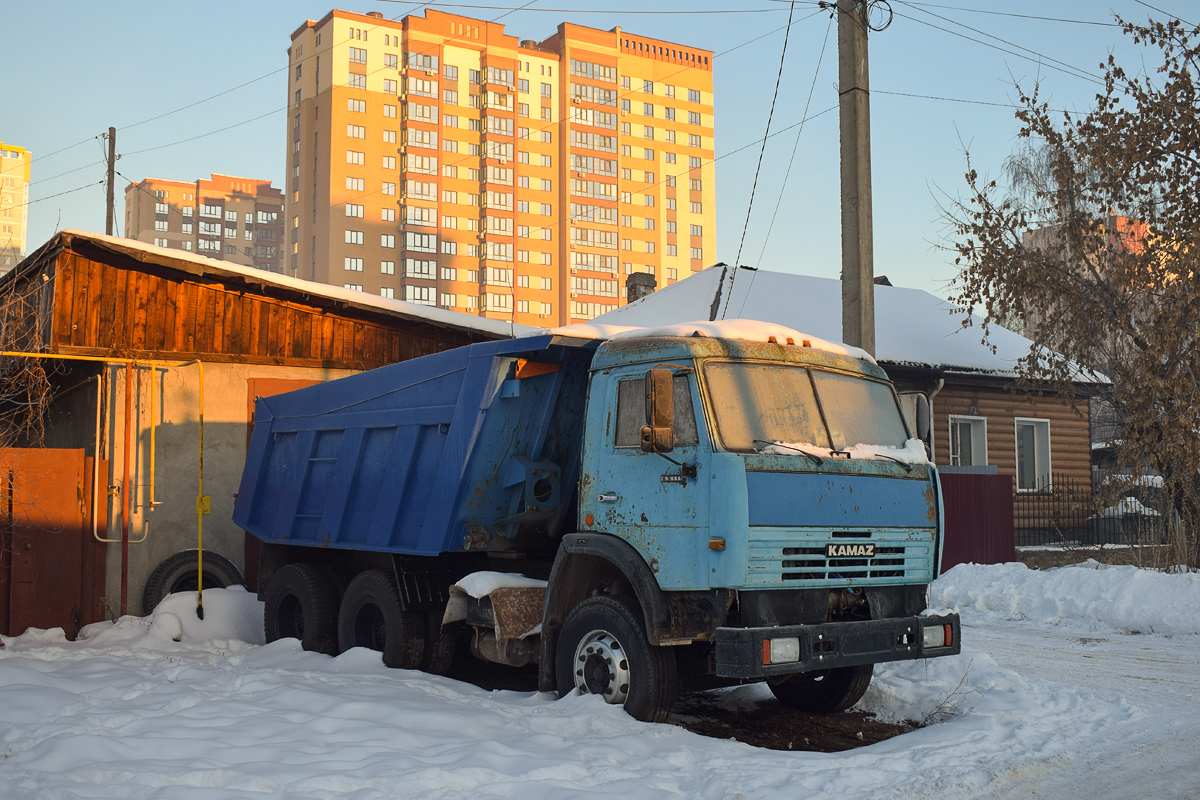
(79, 66)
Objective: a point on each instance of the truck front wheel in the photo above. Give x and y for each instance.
(301, 603)
(825, 691)
(371, 616)
(603, 650)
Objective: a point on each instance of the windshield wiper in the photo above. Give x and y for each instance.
(819, 461)
(905, 464)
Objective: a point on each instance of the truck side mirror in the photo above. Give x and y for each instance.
(659, 435)
(923, 417)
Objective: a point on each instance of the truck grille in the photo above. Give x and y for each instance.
(793, 557)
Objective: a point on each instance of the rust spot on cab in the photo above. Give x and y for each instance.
(931, 501)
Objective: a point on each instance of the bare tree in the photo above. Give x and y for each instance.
(1099, 235)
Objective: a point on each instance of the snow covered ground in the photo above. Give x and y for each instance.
(1076, 682)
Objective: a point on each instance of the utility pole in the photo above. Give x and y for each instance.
(854, 114)
(112, 168)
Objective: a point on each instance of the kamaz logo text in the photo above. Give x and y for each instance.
(849, 550)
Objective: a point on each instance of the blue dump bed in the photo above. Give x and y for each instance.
(438, 454)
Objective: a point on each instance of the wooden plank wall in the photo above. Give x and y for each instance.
(118, 306)
(1070, 445)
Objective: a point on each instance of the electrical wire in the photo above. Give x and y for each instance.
(68, 191)
(1166, 13)
(795, 147)
(766, 135)
(1016, 15)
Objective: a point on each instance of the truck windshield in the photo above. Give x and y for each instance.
(756, 404)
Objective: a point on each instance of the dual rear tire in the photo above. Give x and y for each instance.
(303, 602)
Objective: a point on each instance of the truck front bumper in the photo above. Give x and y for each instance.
(789, 649)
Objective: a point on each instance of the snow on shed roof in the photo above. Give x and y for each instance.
(198, 264)
(912, 327)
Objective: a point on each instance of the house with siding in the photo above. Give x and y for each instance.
(981, 421)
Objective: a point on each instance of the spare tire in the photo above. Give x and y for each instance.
(177, 573)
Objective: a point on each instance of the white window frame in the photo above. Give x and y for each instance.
(1042, 465)
(978, 439)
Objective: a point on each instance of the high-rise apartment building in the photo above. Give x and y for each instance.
(14, 204)
(226, 217)
(439, 160)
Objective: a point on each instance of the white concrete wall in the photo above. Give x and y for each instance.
(170, 524)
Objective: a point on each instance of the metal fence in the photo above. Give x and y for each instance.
(1065, 511)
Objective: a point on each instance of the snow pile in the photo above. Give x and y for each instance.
(913, 451)
(481, 584)
(1129, 507)
(1122, 599)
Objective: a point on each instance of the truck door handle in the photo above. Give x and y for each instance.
(609, 498)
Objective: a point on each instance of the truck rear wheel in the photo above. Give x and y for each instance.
(371, 616)
(177, 573)
(301, 603)
(603, 650)
(825, 691)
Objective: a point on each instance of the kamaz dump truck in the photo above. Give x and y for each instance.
(717, 503)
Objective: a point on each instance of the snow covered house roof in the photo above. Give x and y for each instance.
(251, 276)
(913, 328)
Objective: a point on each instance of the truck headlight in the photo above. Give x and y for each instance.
(781, 651)
(937, 635)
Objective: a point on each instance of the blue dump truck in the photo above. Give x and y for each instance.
(706, 504)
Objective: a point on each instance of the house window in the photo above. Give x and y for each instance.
(968, 441)
(1033, 454)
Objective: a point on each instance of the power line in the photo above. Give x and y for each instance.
(962, 100)
(1018, 16)
(1041, 59)
(766, 134)
(795, 147)
(203, 135)
(68, 191)
(1166, 13)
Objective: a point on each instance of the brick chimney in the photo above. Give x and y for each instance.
(638, 285)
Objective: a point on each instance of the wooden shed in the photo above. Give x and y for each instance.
(152, 359)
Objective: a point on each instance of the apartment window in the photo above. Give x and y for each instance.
(160, 242)
(672, 250)
(450, 96)
(1033, 454)
(545, 90)
(387, 240)
(186, 245)
(389, 110)
(389, 162)
(355, 157)
(448, 300)
(473, 76)
(693, 95)
(450, 72)
(695, 184)
(547, 137)
(697, 253)
(626, 244)
(547, 161)
(388, 214)
(389, 188)
(358, 82)
(968, 441)
(693, 140)
(209, 211)
(523, 306)
(231, 233)
(420, 268)
(390, 86)
(422, 295)
(423, 61)
(647, 109)
(696, 230)
(649, 223)
(546, 185)
(391, 61)
(546, 113)
(354, 210)
(649, 177)
(354, 264)
(696, 208)
(523, 111)
(670, 180)
(421, 242)
(356, 131)
(387, 267)
(358, 106)
(159, 224)
(358, 55)
(648, 87)
(187, 210)
(388, 292)
(354, 287)
(187, 227)
(389, 137)
(450, 171)
(450, 248)
(648, 154)
(648, 200)
(450, 146)
(354, 237)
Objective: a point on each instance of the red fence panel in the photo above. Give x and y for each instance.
(979, 519)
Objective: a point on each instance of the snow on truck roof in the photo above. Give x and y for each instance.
(741, 329)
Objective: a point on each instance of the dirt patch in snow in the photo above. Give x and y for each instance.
(774, 727)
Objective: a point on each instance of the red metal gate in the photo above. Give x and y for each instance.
(51, 566)
(979, 519)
